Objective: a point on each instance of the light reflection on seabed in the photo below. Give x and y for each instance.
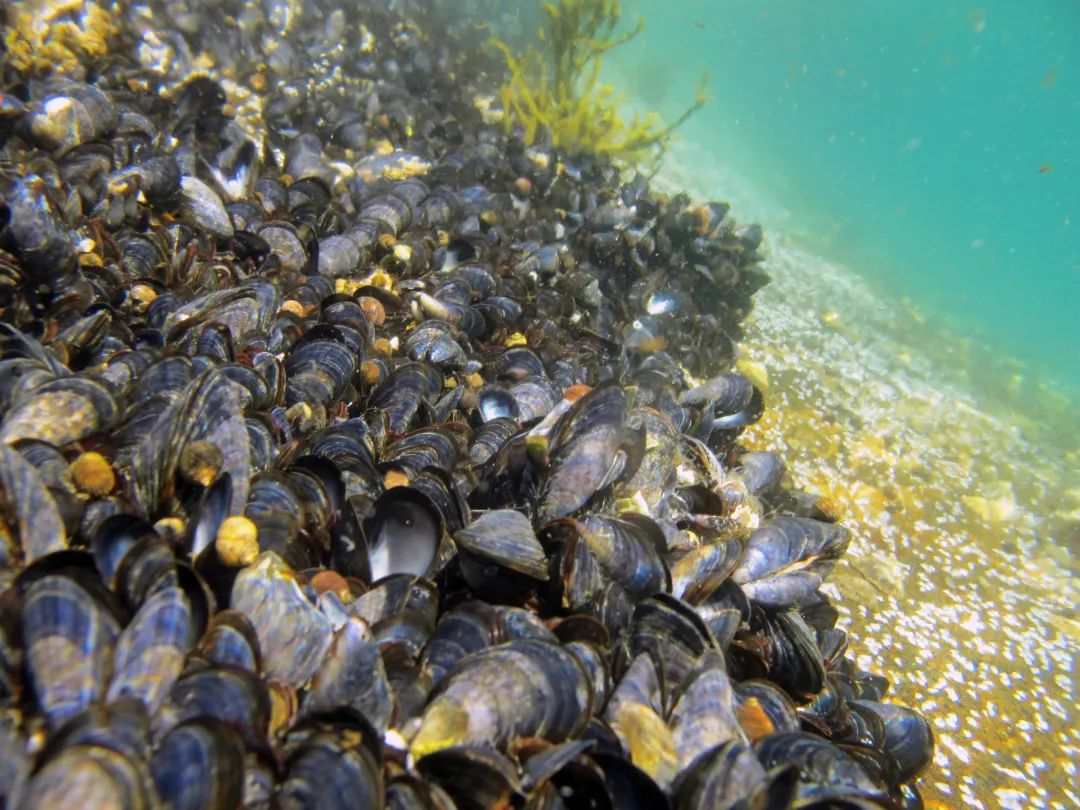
(957, 584)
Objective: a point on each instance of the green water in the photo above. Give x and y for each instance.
(934, 147)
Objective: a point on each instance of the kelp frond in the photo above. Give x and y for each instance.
(554, 86)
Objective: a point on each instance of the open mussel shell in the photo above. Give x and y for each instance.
(497, 403)
(524, 688)
(403, 534)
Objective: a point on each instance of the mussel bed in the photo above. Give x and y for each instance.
(354, 453)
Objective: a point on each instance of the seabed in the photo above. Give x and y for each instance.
(956, 583)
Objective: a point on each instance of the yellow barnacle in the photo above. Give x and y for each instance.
(517, 339)
(200, 462)
(380, 278)
(92, 474)
(171, 528)
(237, 541)
(346, 286)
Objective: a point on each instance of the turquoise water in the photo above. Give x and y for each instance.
(932, 146)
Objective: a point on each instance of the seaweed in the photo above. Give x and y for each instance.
(554, 86)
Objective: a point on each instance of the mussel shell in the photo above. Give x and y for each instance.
(762, 472)
(583, 452)
(233, 696)
(490, 437)
(404, 391)
(704, 716)
(62, 411)
(352, 675)
(91, 776)
(626, 549)
(201, 207)
(820, 763)
(230, 640)
(199, 764)
(325, 772)
(150, 651)
(497, 403)
(763, 708)
(293, 634)
(318, 371)
(210, 409)
(69, 639)
(671, 633)
(720, 777)
(787, 559)
(524, 688)
(697, 573)
(908, 737)
(535, 397)
(35, 519)
(475, 777)
(795, 661)
(506, 538)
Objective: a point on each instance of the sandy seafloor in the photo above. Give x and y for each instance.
(960, 583)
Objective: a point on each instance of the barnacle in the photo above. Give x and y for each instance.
(62, 37)
(555, 86)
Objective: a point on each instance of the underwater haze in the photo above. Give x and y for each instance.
(931, 146)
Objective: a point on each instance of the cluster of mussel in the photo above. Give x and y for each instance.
(365, 467)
